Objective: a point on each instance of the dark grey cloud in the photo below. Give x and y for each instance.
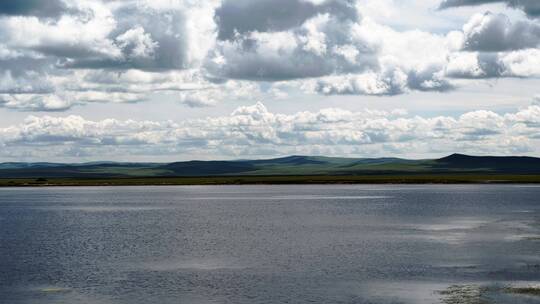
(489, 65)
(25, 76)
(495, 33)
(130, 36)
(27, 84)
(166, 28)
(22, 65)
(530, 7)
(40, 8)
(256, 65)
(242, 16)
(148, 39)
(428, 80)
(320, 46)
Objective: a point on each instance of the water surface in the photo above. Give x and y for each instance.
(269, 244)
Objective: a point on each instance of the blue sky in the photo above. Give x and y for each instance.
(162, 80)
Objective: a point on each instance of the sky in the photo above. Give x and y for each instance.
(171, 80)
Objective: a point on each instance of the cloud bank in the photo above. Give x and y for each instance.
(253, 131)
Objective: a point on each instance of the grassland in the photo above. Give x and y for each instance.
(297, 179)
(456, 168)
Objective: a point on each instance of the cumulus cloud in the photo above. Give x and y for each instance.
(34, 102)
(491, 46)
(391, 83)
(24, 82)
(337, 56)
(406, 61)
(190, 87)
(155, 35)
(112, 51)
(530, 7)
(525, 63)
(145, 34)
(72, 36)
(521, 64)
(61, 53)
(244, 16)
(321, 46)
(495, 33)
(136, 43)
(198, 98)
(255, 131)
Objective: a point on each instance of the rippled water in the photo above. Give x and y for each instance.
(269, 244)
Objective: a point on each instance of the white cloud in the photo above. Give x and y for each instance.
(244, 16)
(321, 46)
(34, 102)
(143, 34)
(254, 131)
(203, 53)
(524, 63)
(521, 64)
(72, 36)
(495, 33)
(137, 44)
(392, 83)
(198, 98)
(409, 60)
(25, 83)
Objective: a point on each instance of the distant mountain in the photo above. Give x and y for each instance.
(514, 164)
(292, 165)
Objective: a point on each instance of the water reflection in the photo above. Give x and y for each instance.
(270, 244)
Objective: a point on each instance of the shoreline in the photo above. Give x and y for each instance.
(277, 180)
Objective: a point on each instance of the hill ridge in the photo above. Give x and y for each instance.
(288, 165)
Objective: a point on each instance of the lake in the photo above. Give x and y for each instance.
(271, 244)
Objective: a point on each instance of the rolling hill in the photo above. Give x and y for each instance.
(292, 165)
